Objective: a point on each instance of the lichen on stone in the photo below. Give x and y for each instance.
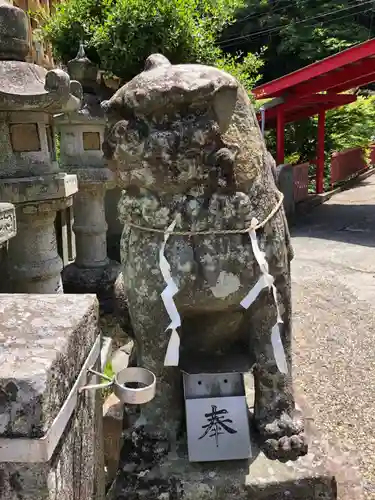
(186, 146)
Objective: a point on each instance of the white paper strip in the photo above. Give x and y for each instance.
(278, 349)
(172, 355)
(266, 280)
(173, 349)
(258, 254)
(274, 292)
(254, 292)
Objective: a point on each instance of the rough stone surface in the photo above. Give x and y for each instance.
(92, 271)
(260, 479)
(13, 32)
(33, 263)
(184, 141)
(113, 416)
(333, 302)
(285, 183)
(81, 135)
(29, 173)
(8, 227)
(44, 341)
(312, 477)
(31, 189)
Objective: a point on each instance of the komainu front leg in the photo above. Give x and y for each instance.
(280, 428)
(159, 425)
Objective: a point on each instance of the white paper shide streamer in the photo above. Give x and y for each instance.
(173, 349)
(266, 280)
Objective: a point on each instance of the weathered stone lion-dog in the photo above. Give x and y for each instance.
(186, 145)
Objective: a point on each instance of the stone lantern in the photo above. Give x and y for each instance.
(81, 137)
(29, 174)
(7, 231)
(7, 223)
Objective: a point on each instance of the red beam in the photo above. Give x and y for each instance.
(296, 104)
(301, 114)
(351, 55)
(330, 97)
(295, 116)
(342, 77)
(358, 82)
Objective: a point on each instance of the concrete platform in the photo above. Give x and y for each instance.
(260, 479)
(313, 477)
(334, 322)
(310, 478)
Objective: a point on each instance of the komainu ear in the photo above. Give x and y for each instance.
(224, 103)
(156, 60)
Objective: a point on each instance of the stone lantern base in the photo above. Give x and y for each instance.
(325, 473)
(100, 280)
(7, 222)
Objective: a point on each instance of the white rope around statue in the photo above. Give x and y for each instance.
(265, 280)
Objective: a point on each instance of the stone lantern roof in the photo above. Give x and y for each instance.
(25, 86)
(85, 72)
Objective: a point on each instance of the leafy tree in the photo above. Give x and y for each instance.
(347, 127)
(293, 34)
(298, 32)
(121, 34)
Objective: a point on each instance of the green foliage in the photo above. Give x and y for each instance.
(298, 32)
(347, 127)
(108, 371)
(120, 34)
(71, 22)
(245, 69)
(352, 125)
(293, 34)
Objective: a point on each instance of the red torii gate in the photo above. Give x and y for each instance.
(313, 90)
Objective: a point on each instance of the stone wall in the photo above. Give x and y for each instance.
(40, 53)
(45, 342)
(114, 225)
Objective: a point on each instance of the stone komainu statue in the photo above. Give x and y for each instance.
(186, 145)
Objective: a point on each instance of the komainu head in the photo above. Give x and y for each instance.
(166, 127)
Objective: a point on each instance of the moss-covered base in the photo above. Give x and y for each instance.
(259, 478)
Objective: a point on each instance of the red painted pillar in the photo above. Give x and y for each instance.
(280, 138)
(320, 152)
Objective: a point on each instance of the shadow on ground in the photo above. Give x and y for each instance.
(353, 224)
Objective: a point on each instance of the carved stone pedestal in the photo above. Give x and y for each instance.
(320, 475)
(33, 263)
(29, 173)
(82, 134)
(51, 440)
(259, 479)
(92, 271)
(8, 230)
(7, 222)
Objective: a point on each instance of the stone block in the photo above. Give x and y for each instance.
(37, 189)
(286, 185)
(113, 416)
(91, 141)
(8, 226)
(319, 475)
(24, 137)
(45, 340)
(258, 479)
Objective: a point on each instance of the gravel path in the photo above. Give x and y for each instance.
(334, 327)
